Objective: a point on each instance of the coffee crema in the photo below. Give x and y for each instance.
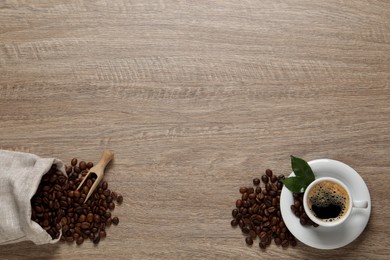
(328, 201)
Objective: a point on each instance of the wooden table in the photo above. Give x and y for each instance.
(196, 98)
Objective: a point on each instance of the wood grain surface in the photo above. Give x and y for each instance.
(196, 98)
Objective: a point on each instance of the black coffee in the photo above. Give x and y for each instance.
(331, 211)
(328, 201)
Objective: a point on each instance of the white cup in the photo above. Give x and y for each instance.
(347, 198)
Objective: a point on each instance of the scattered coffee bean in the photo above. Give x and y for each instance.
(257, 213)
(249, 241)
(68, 169)
(73, 162)
(234, 212)
(268, 172)
(265, 179)
(119, 199)
(96, 240)
(89, 165)
(76, 169)
(102, 234)
(82, 165)
(79, 240)
(262, 245)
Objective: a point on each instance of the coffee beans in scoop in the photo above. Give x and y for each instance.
(258, 215)
(58, 206)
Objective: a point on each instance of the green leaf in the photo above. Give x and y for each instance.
(303, 175)
(294, 184)
(302, 169)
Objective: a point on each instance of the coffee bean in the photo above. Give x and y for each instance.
(285, 243)
(114, 195)
(89, 217)
(91, 236)
(76, 169)
(252, 196)
(76, 194)
(249, 241)
(85, 225)
(82, 165)
(265, 179)
(293, 242)
(104, 185)
(263, 235)
(119, 199)
(107, 193)
(256, 181)
(234, 223)
(68, 169)
(79, 240)
(96, 218)
(38, 209)
(272, 193)
(70, 194)
(262, 245)
(245, 229)
(268, 240)
(268, 172)
(73, 162)
(271, 209)
(89, 183)
(240, 223)
(102, 234)
(274, 179)
(63, 204)
(234, 212)
(85, 189)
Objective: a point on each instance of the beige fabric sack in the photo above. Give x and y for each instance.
(20, 175)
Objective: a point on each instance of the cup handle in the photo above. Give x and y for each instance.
(360, 204)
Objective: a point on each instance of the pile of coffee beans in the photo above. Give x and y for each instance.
(58, 206)
(299, 211)
(257, 212)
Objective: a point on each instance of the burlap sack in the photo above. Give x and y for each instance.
(20, 175)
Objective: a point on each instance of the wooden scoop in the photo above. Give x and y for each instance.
(98, 169)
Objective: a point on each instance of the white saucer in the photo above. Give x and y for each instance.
(345, 233)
